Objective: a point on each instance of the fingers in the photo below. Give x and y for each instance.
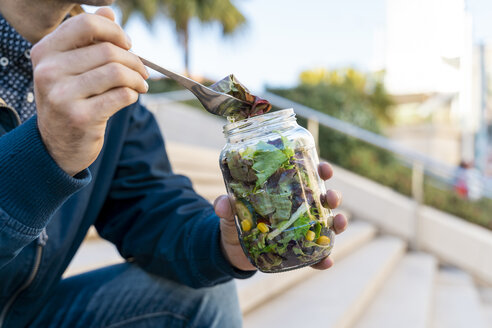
(223, 208)
(82, 30)
(104, 78)
(325, 171)
(112, 101)
(106, 12)
(324, 264)
(75, 61)
(331, 199)
(339, 223)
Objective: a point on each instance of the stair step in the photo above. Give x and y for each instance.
(92, 255)
(486, 298)
(210, 192)
(406, 298)
(194, 164)
(456, 301)
(263, 287)
(192, 158)
(92, 234)
(185, 124)
(205, 177)
(337, 297)
(487, 314)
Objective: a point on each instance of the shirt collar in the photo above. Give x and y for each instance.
(12, 45)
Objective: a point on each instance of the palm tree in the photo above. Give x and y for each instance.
(182, 12)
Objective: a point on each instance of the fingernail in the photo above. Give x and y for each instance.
(147, 72)
(146, 86)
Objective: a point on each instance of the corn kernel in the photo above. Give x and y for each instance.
(246, 225)
(262, 227)
(323, 240)
(310, 235)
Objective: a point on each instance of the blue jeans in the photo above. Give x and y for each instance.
(124, 295)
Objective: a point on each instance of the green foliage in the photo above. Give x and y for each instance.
(448, 200)
(163, 85)
(348, 95)
(181, 12)
(148, 8)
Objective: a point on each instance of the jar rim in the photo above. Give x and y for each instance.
(251, 122)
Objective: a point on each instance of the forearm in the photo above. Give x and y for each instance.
(32, 187)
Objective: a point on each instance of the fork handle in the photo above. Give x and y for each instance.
(184, 81)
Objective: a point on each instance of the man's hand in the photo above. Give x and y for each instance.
(229, 238)
(83, 74)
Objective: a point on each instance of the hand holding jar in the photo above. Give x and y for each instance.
(276, 189)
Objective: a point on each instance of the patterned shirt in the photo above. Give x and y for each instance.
(16, 80)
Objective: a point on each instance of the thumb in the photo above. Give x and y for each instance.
(222, 207)
(106, 12)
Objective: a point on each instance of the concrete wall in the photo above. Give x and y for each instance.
(367, 200)
(452, 239)
(457, 242)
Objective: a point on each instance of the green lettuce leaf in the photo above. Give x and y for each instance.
(240, 189)
(288, 147)
(262, 203)
(267, 160)
(285, 224)
(282, 205)
(248, 153)
(241, 169)
(301, 227)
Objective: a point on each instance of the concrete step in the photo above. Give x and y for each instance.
(194, 164)
(201, 165)
(92, 234)
(93, 254)
(487, 314)
(205, 177)
(210, 192)
(486, 300)
(335, 298)
(405, 301)
(192, 158)
(456, 301)
(262, 287)
(185, 124)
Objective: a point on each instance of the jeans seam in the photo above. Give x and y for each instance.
(146, 316)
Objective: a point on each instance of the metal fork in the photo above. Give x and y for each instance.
(214, 102)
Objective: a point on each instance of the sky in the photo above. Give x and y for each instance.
(282, 38)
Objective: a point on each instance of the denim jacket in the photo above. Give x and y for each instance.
(153, 216)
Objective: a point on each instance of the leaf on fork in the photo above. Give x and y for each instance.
(231, 86)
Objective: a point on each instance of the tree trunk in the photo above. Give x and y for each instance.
(186, 49)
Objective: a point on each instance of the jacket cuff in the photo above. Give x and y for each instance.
(215, 268)
(33, 186)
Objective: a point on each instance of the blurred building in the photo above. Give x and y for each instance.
(438, 78)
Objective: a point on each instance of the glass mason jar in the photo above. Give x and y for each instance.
(269, 165)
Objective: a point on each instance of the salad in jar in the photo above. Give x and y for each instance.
(277, 200)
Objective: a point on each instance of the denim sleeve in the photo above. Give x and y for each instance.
(32, 188)
(155, 217)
